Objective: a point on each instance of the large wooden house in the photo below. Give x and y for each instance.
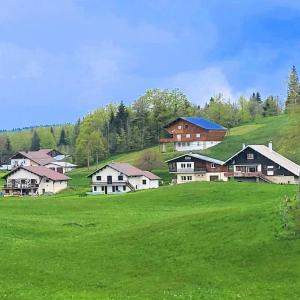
(262, 163)
(122, 178)
(193, 133)
(194, 167)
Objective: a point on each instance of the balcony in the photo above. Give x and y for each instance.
(188, 170)
(21, 186)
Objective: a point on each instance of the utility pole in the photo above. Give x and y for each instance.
(97, 159)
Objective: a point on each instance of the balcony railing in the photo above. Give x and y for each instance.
(21, 186)
(188, 170)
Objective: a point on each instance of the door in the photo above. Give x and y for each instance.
(213, 178)
(113, 189)
(105, 190)
(109, 179)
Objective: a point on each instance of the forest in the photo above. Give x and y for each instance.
(118, 128)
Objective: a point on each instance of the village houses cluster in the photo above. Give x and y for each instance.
(41, 172)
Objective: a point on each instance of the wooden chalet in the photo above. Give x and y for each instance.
(193, 133)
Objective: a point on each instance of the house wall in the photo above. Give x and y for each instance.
(22, 162)
(197, 145)
(200, 177)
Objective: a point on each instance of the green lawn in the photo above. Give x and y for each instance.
(194, 241)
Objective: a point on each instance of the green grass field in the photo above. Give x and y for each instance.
(193, 241)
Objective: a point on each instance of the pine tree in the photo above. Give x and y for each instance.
(35, 142)
(62, 139)
(293, 94)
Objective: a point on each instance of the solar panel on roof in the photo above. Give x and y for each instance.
(204, 123)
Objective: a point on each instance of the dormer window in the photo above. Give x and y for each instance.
(250, 156)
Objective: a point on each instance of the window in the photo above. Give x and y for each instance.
(183, 144)
(179, 126)
(213, 166)
(144, 181)
(102, 188)
(187, 135)
(120, 177)
(182, 166)
(250, 156)
(189, 178)
(47, 180)
(179, 137)
(179, 144)
(124, 188)
(98, 178)
(198, 135)
(183, 178)
(186, 126)
(188, 143)
(95, 189)
(189, 165)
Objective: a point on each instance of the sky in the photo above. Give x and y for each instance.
(60, 59)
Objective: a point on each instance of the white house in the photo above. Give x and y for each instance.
(122, 178)
(49, 158)
(34, 180)
(195, 167)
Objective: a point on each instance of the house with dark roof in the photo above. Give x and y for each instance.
(122, 178)
(194, 167)
(34, 180)
(193, 133)
(261, 163)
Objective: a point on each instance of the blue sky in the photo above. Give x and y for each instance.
(60, 59)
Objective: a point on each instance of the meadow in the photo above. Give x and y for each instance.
(193, 241)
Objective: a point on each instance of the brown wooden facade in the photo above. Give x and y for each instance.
(184, 131)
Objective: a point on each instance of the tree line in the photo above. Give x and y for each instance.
(118, 128)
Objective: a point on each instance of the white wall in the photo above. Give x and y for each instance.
(22, 162)
(195, 145)
(200, 177)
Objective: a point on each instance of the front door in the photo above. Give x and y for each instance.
(109, 179)
(105, 190)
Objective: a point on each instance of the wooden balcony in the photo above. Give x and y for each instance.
(21, 186)
(188, 170)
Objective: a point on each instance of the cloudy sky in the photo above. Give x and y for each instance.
(60, 59)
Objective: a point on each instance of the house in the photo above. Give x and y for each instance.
(193, 133)
(34, 180)
(61, 166)
(261, 163)
(195, 167)
(49, 158)
(122, 178)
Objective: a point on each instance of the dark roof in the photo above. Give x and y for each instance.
(129, 170)
(41, 171)
(201, 122)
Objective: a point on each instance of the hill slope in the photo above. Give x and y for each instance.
(194, 241)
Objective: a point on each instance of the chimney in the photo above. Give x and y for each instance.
(244, 146)
(271, 145)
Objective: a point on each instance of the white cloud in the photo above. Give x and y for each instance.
(200, 85)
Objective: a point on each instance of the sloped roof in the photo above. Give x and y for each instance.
(204, 123)
(42, 171)
(274, 156)
(201, 122)
(199, 156)
(41, 156)
(129, 170)
(63, 164)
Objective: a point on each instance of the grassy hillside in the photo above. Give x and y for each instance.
(260, 132)
(194, 241)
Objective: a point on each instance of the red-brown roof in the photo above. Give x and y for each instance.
(130, 170)
(40, 157)
(43, 172)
